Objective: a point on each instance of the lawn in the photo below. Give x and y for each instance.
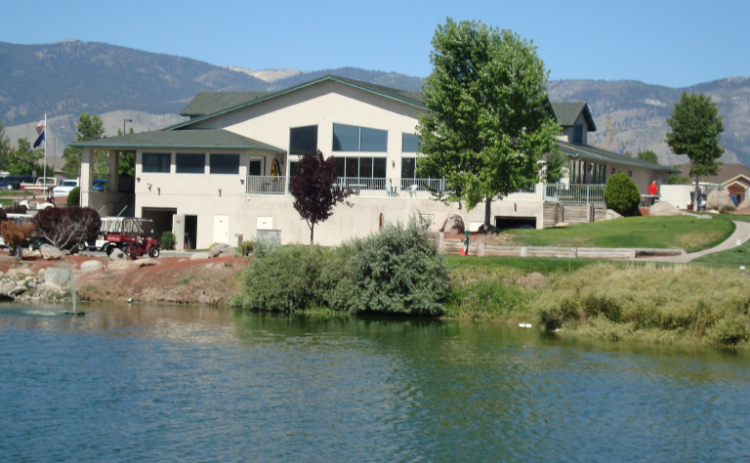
(688, 233)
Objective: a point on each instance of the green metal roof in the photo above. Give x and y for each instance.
(592, 153)
(184, 139)
(567, 114)
(211, 102)
(410, 98)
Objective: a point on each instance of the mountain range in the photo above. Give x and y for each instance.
(148, 90)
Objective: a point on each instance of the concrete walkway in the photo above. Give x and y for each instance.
(742, 233)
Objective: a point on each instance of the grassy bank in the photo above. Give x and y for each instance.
(688, 233)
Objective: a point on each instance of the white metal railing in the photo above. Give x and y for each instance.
(534, 193)
(575, 193)
(266, 185)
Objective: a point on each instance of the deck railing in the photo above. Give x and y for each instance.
(266, 185)
(575, 193)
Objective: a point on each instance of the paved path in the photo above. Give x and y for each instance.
(742, 233)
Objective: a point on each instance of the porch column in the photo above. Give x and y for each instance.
(114, 171)
(87, 177)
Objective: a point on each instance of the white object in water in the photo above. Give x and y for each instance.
(525, 325)
(130, 300)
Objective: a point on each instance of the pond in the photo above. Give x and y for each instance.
(171, 383)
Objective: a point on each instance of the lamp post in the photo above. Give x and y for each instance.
(123, 124)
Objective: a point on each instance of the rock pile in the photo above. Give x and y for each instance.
(22, 283)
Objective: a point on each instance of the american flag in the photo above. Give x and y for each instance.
(40, 127)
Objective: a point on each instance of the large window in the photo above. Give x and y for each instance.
(156, 162)
(361, 167)
(190, 163)
(359, 139)
(225, 163)
(578, 134)
(409, 168)
(303, 140)
(587, 173)
(410, 143)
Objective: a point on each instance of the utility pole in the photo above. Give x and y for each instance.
(123, 124)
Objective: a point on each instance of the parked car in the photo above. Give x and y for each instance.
(64, 188)
(99, 184)
(13, 182)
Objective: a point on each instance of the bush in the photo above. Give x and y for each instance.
(14, 234)
(247, 247)
(64, 227)
(727, 209)
(168, 240)
(16, 209)
(621, 194)
(74, 197)
(399, 270)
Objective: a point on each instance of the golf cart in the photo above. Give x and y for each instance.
(133, 236)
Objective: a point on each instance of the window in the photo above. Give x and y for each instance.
(354, 139)
(256, 167)
(578, 134)
(586, 172)
(190, 163)
(408, 167)
(225, 163)
(410, 143)
(303, 140)
(156, 162)
(361, 167)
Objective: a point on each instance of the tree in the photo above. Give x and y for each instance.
(313, 185)
(66, 227)
(489, 123)
(649, 156)
(24, 160)
(5, 149)
(621, 194)
(88, 128)
(126, 165)
(696, 131)
(677, 179)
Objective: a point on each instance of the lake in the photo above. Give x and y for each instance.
(190, 384)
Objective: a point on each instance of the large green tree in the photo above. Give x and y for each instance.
(696, 131)
(126, 165)
(649, 156)
(489, 124)
(89, 127)
(25, 160)
(5, 149)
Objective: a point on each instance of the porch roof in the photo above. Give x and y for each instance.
(593, 153)
(180, 139)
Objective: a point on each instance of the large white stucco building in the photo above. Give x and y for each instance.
(223, 174)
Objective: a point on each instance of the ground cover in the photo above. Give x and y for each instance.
(688, 233)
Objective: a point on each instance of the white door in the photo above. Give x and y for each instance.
(221, 229)
(178, 228)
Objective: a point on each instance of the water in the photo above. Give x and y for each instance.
(195, 384)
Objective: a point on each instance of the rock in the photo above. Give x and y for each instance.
(40, 277)
(182, 260)
(612, 215)
(663, 209)
(50, 252)
(562, 224)
(7, 286)
(19, 272)
(713, 211)
(117, 254)
(719, 199)
(17, 291)
(57, 276)
(199, 256)
(27, 254)
(744, 206)
(91, 266)
(145, 263)
(438, 223)
(221, 250)
(454, 225)
(118, 264)
(40, 272)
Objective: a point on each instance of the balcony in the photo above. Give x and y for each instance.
(266, 185)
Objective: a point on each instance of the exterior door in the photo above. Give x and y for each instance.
(178, 228)
(221, 229)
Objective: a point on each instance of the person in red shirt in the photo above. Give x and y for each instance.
(653, 189)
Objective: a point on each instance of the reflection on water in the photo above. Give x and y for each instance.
(170, 383)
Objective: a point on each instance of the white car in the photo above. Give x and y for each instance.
(64, 188)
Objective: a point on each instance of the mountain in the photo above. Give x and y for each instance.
(67, 78)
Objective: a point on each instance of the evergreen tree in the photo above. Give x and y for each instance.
(88, 128)
(5, 149)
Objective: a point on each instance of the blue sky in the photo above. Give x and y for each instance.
(672, 43)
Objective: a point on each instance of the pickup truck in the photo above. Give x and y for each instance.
(39, 184)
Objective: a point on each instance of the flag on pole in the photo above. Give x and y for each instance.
(40, 131)
(40, 127)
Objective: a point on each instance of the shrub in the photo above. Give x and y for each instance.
(399, 270)
(16, 209)
(727, 209)
(74, 197)
(168, 240)
(3, 215)
(247, 247)
(621, 194)
(64, 227)
(14, 234)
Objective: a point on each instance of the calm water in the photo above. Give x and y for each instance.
(190, 384)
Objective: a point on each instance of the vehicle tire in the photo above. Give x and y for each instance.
(154, 252)
(81, 247)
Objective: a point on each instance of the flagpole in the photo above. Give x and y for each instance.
(44, 190)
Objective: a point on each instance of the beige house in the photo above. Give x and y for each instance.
(222, 175)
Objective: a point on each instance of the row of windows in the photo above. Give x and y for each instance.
(348, 138)
(585, 172)
(189, 163)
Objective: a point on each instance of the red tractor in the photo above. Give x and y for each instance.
(135, 238)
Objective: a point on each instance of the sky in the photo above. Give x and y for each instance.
(671, 43)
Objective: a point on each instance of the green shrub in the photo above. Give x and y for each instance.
(621, 194)
(74, 197)
(168, 240)
(399, 270)
(727, 209)
(246, 247)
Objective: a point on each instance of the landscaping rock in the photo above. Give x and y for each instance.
(119, 264)
(17, 291)
(663, 209)
(27, 254)
(612, 215)
(20, 272)
(744, 206)
(455, 225)
(199, 256)
(221, 250)
(7, 286)
(117, 254)
(50, 252)
(438, 223)
(719, 199)
(182, 260)
(57, 276)
(145, 263)
(91, 266)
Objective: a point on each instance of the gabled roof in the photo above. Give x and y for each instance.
(593, 153)
(726, 173)
(182, 139)
(235, 102)
(567, 114)
(211, 102)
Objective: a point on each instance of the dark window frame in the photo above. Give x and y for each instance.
(146, 167)
(373, 138)
(294, 145)
(216, 168)
(407, 140)
(182, 169)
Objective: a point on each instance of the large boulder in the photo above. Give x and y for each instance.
(438, 223)
(50, 252)
(221, 250)
(455, 225)
(20, 272)
(719, 199)
(91, 266)
(744, 206)
(28, 253)
(117, 254)
(57, 276)
(663, 209)
(199, 256)
(611, 215)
